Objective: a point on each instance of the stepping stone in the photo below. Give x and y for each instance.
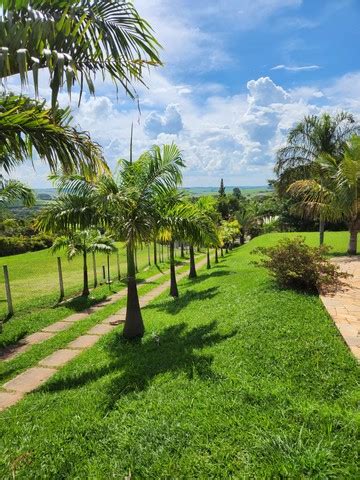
(76, 317)
(12, 352)
(101, 329)
(7, 399)
(30, 379)
(57, 327)
(37, 337)
(59, 358)
(84, 341)
(115, 319)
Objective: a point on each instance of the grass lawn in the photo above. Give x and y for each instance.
(34, 275)
(235, 379)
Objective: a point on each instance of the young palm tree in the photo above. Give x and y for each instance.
(13, 190)
(27, 125)
(339, 199)
(127, 204)
(82, 243)
(76, 40)
(312, 137)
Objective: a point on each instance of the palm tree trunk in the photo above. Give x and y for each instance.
(192, 272)
(182, 254)
(222, 251)
(85, 292)
(321, 230)
(208, 264)
(242, 237)
(174, 292)
(155, 253)
(216, 256)
(353, 240)
(134, 325)
(94, 268)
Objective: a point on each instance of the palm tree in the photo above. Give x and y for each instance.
(27, 125)
(82, 243)
(309, 139)
(76, 40)
(127, 205)
(339, 199)
(13, 190)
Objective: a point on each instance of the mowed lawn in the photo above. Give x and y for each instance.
(34, 275)
(235, 379)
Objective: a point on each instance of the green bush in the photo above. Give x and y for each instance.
(22, 244)
(295, 265)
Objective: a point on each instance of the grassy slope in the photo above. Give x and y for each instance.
(235, 379)
(34, 274)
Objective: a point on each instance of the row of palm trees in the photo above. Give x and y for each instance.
(320, 168)
(140, 204)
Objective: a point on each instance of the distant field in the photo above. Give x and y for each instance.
(248, 191)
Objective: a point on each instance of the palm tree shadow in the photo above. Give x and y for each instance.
(134, 365)
(174, 306)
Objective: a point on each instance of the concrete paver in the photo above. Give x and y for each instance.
(29, 380)
(59, 358)
(344, 305)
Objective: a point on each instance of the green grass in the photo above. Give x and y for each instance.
(235, 379)
(34, 275)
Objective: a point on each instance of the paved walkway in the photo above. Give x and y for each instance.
(34, 377)
(344, 306)
(50, 331)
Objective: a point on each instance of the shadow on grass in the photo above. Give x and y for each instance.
(174, 306)
(137, 364)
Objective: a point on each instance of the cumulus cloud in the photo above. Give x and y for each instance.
(170, 122)
(263, 91)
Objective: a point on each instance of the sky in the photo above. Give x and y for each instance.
(237, 75)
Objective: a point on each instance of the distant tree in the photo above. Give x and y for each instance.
(237, 193)
(222, 192)
(13, 190)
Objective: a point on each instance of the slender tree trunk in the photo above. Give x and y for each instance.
(226, 249)
(242, 237)
(149, 258)
(182, 254)
(321, 230)
(136, 262)
(174, 292)
(85, 292)
(192, 272)
(134, 325)
(155, 253)
(222, 251)
(94, 268)
(353, 240)
(216, 256)
(208, 264)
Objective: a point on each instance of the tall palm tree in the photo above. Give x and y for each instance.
(127, 204)
(82, 243)
(27, 125)
(339, 199)
(75, 40)
(13, 190)
(309, 139)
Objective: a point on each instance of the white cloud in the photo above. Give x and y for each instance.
(170, 122)
(294, 68)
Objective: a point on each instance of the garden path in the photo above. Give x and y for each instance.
(344, 305)
(34, 377)
(50, 331)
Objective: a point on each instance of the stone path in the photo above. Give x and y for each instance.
(51, 330)
(34, 377)
(344, 306)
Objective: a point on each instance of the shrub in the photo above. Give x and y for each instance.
(22, 244)
(295, 265)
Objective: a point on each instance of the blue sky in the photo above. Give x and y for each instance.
(238, 74)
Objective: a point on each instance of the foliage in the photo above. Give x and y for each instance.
(15, 245)
(13, 190)
(27, 125)
(295, 265)
(338, 199)
(76, 40)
